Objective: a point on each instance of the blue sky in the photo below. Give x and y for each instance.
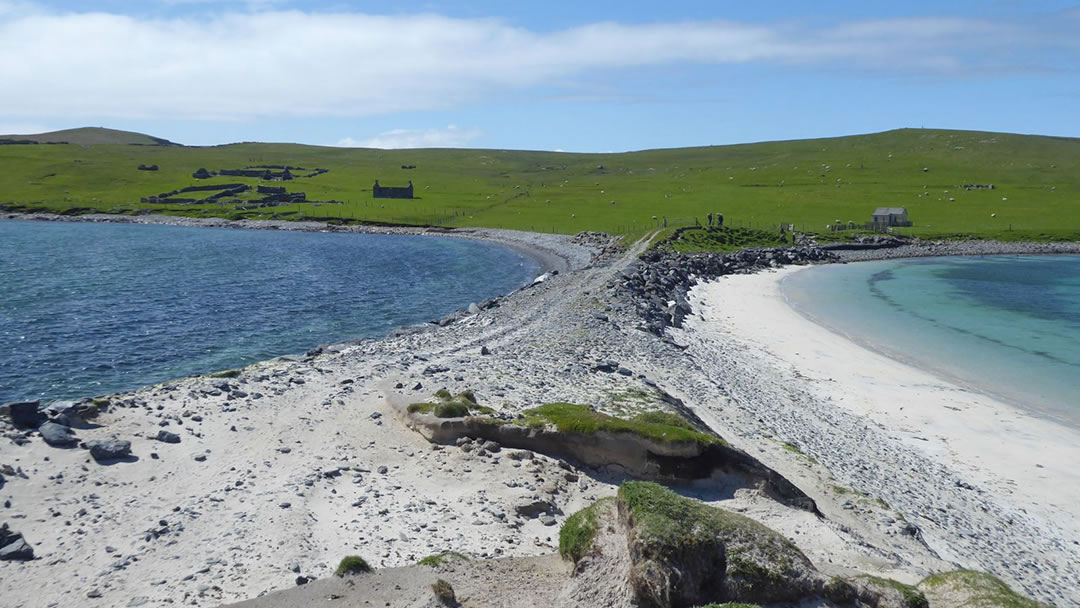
(576, 76)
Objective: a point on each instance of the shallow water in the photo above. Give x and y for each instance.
(1008, 326)
(89, 309)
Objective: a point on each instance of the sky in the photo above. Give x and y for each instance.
(595, 76)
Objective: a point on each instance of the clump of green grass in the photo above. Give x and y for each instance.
(438, 559)
(794, 449)
(982, 590)
(913, 598)
(228, 373)
(579, 531)
(449, 406)
(659, 426)
(352, 564)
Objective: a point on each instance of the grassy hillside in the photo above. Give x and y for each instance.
(809, 183)
(92, 136)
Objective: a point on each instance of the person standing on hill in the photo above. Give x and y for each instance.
(719, 219)
(710, 218)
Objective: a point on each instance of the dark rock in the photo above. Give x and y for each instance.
(57, 435)
(607, 367)
(536, 508)
(167, 437)
(25, 414)
(108, 449)
(13, 546)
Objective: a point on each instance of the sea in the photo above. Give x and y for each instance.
(95, 308)
(1007, 326)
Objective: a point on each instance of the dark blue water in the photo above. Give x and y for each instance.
(1005, 325)
(88, 309)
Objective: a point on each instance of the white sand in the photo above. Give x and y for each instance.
(1015, 460)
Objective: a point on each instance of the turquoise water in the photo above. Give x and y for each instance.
(89, 309)
(1008, 326)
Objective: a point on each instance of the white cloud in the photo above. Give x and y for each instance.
(23, 128)
(450, 137)
(290, 63)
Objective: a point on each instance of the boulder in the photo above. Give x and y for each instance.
(536, 508)
(108, 449)
(13, 546)
(57, 435)
(25, 414)
(167, 437)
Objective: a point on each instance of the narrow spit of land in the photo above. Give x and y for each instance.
(287, 466)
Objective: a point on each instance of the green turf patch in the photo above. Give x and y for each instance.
(681, 544)
(664, 518)
(352, 564)
(982, 590)
(579, 530)
(658, 426)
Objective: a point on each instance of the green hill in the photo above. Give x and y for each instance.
(809, 183)
(91, 136)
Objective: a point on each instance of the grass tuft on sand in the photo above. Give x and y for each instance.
(449, 406)
(437, 559)
(352, 564)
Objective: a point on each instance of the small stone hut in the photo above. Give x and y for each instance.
(884, 217)
(378, 191)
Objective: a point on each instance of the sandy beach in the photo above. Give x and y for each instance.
(291, 464)
(1017, 467)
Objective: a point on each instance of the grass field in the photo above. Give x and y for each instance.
(808, 183)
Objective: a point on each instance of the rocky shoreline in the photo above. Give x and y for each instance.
(286, 466)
